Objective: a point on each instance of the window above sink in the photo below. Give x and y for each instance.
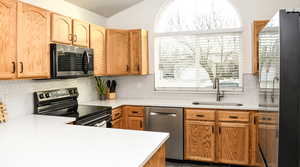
(197, 42)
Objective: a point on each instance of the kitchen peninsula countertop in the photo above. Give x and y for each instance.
(163, 103)
(48, 141)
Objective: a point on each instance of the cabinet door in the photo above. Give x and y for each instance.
(199, 141)
(61, 29)
(139, 52)
(135, 123)
(81, 33)
(8, 39)
(33, 42)
(135, 51)
(233, 143)
(118, 123)
(257, 27)
(117, 52)
(97, 42)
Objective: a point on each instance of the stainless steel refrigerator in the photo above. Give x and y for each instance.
(278, 120)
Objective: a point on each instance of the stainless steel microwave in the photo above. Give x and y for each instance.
(71, 62)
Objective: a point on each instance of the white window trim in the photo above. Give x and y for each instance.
(233, 90)
(185, 33)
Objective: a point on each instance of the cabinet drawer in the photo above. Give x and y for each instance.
(266, 118)
(200, 114)
(116, 113)
(134, 111)
(233, 116)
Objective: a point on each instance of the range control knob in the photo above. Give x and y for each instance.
(47, 95)
(41, 96)
(71, 91)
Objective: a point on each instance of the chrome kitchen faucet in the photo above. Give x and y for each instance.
(216, 86)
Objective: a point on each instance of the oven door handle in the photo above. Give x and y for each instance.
(93, 120)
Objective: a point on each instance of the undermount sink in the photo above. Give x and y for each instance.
(217, 103)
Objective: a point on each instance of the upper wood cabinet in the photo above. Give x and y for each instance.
(199, 141)
(8, 39)
(257, 27)
(81, 33)
(139, 52)
(97, 42)
(67, 31)
(33, 42)
(61, 29)
(234, 143)
(117, 52)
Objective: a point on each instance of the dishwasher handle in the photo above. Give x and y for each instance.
(163, 113)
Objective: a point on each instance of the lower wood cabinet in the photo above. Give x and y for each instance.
(134, 116)
(118, 123)
(117, 118)
(135, 123)
(158, 159)
(199, 141)
(219, 136)
(233, 143)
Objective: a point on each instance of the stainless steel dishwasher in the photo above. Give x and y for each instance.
(165, 119)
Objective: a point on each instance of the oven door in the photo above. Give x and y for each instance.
(72, 62)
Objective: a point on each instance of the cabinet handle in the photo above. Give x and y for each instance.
(213, 129)
(233, 117)
(22, 67)
(70, 37)
(135, 112)
(141, 124)
(117, 114)
(75, 38)
(14, 67)
(201, 116)
(127, 68)
(220, 131)
(138, 68)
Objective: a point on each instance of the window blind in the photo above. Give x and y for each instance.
(192, 62)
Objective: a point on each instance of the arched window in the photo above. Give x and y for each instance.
(196, 42)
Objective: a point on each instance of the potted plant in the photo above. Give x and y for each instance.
(101, 87)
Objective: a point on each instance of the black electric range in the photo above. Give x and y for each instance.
(63, 102)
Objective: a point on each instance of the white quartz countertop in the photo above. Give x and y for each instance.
(45, 141)
(163, 103)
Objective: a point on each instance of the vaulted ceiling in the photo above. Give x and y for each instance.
(105, 8)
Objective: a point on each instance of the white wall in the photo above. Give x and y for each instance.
(144, 14)
(68, 9)
(18, 94)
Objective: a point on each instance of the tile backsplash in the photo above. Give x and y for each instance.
(18, 94)
(143, 87)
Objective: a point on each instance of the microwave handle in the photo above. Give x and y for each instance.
(86, 62)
